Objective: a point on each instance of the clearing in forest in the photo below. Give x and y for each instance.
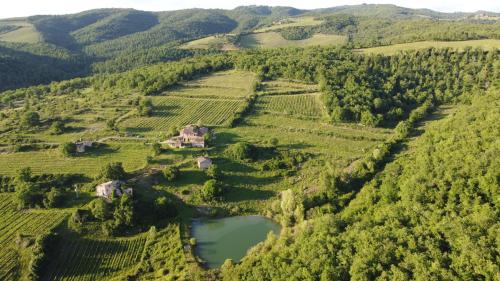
(20, 31)
(275, 40)
(219, 42)
(291, 22)
(392, 49)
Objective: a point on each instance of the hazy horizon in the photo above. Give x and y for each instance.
(24, 8)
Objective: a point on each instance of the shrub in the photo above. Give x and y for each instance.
(213, 171)
(30, 119)
(52, 198)
(57, 128)
(68, 149)
(240, 151)
(113, 171)
(145, 107)
(171, 173)
(100, 209)
(210, 190)
(157, 149)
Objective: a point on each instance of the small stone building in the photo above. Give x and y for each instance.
(82, 145)
(204, 162)
(106, 189)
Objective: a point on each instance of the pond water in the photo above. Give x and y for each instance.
(229, 238)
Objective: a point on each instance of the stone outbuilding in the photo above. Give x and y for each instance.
(82, 145)
(204, 162)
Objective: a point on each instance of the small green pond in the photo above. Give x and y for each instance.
(229, 238)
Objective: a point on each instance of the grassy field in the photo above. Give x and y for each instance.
(87, 259)
(26, 33)
(392, 49)
(290, 22)
(275, 40)
(131, 154)
(231, 79)
(12, 221)
(277, 87)
(211, 42)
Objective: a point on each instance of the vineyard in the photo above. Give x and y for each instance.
(307, 105)
(164, 250)
(177, 111)
(23, 222)
(85, 259)
(132, 155)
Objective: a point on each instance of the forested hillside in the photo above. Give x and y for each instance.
(110, 40)
(431, 214)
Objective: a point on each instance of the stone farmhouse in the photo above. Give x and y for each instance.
(105, 190)
(190, 136)
(204, 162)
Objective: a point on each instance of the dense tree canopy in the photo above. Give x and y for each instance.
(429, 215)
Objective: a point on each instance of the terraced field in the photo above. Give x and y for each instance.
(275, 40)
(12, 222)
(132, 155)
(307, 105)
(87, 259)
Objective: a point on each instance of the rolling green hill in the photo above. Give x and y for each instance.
(375, 166)
(110, 40)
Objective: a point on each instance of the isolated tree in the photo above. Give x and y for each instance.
(124, 212)
(68, 149)
(145, 107)
(53, 198)
(210, 190)
(100, 209)
(171, 173)
(57, 128)
(157, 149)
(291, 207)
(113, 171)
(240, 151)
(213, 171)
(30, 119)
(24, 174)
